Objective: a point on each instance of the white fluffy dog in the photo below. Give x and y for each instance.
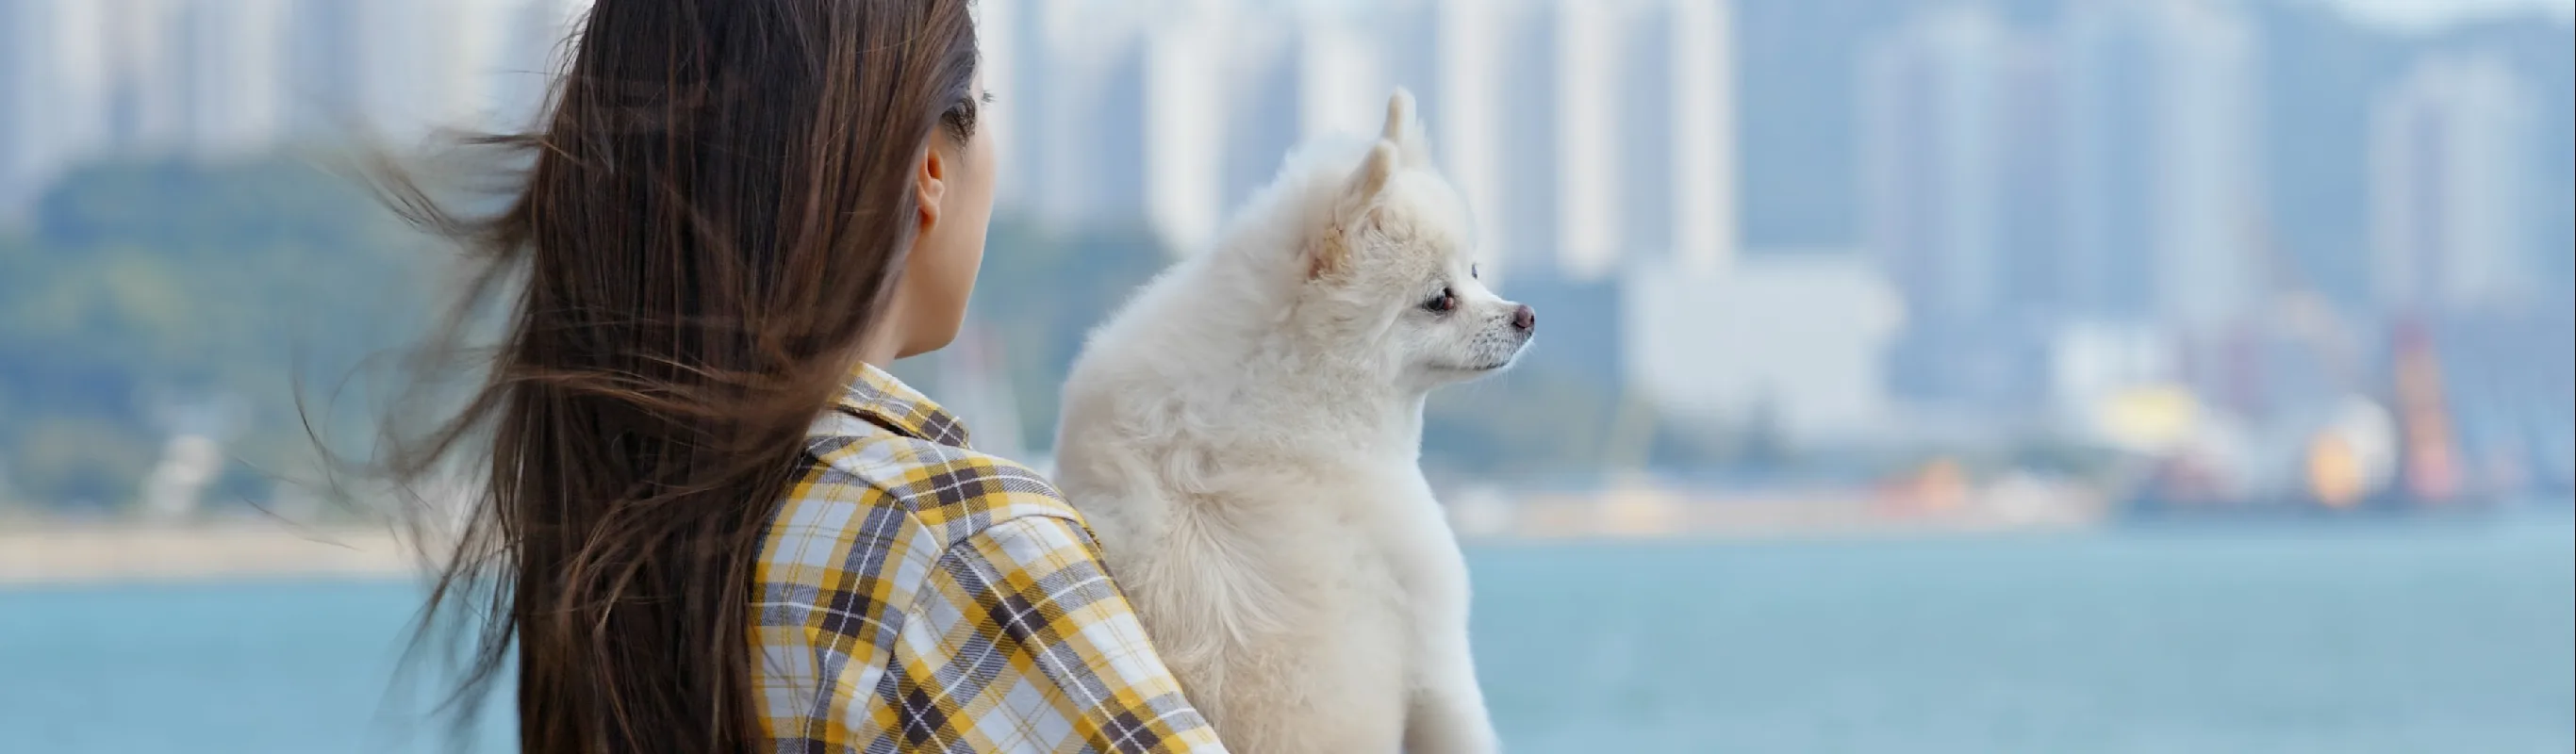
(1244, 437)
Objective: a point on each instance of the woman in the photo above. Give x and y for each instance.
(710, 521)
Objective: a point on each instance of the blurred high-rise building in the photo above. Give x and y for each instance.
(2450, 144)
(1669, 186)
(1587, 107)
(230, 69)
(1796, 338)
(1933, 115)
(1262, 103)
(1002, 31)
(1280, 76)
(1581, 133)
(85, 79)
(1527, 218)
(1184, 133)
(1084, 121)
(401, 69)
(1958, 122)
(2163, 175)
(1165, 116)
(51, 86)
(324, 84)
(2019, 181)
(414, 67)
(1172, 114)
(1445, 52)
(532, 38)
(1700, 89)
(149, 61)
(1119, 114)
(1611, 131)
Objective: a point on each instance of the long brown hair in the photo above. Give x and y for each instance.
(711, 215)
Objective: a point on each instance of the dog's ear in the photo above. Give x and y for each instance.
(1333, 251)
(1374, 172)
(1404, 129)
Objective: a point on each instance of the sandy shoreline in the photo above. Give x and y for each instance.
(47, 552)
(52, 553)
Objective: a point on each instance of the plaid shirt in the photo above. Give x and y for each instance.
(917, 596)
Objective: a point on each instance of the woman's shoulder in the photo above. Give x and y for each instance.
(954, 492)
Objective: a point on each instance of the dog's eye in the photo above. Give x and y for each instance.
(1473, 272)
(1442, 303)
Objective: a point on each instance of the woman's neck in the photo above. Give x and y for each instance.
(884, 344)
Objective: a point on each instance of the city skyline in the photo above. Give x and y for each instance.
(2022, 186)
(1576, 194)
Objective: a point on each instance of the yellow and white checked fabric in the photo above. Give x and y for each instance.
(917, 596)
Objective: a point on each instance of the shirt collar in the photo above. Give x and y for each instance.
(882, 400)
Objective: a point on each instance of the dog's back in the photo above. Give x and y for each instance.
(1260, 565)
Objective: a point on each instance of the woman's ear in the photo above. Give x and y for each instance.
(930, 185)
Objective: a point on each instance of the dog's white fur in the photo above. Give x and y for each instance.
(1244, 438)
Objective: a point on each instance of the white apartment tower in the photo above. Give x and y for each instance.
(2163, 176)
(2449, 147)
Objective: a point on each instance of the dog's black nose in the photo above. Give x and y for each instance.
(1524, 319)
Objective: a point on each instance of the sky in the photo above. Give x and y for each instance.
(2420, 14)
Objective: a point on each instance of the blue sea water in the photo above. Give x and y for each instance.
(2452, 638)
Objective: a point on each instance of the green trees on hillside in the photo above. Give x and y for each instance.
(157, 297)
